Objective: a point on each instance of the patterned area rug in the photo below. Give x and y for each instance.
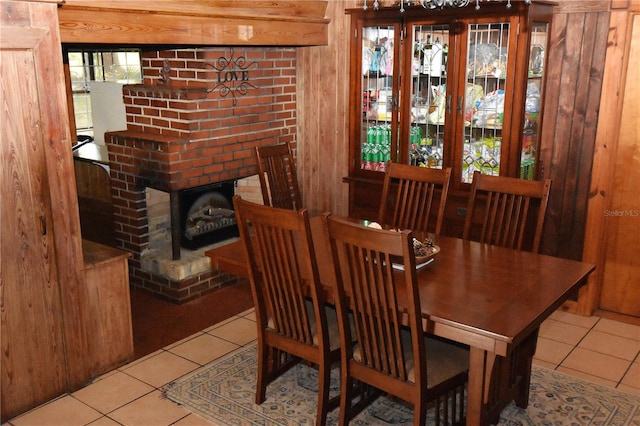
(224, 393)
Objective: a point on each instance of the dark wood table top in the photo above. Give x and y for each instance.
(498, 294)
(475, 293)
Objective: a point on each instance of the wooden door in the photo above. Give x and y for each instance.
(32, 339)
(621, 276)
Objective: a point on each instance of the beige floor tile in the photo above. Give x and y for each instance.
(160, 369)
(186, 339)
(579, 320)
(66, 411)
(552, 351)
(622, 329)
(249, 314)
(610, 344)
(152, 409)
(240, 331)
(632, 377)
(221, 323)
(112, 392)
(203, 349)
(562, 332)
(143, 359)
(540, 363)
(104, 421)
(596, 364)
(587, 377)
(193, 420)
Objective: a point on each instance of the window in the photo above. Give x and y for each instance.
(85, 66)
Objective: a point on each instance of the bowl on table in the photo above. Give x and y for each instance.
(424, 250)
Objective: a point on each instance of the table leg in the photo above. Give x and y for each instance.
(523, 368)
(480, 367)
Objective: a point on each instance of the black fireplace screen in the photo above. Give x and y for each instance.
(207, 215)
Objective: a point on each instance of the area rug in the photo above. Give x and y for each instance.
(224, 392)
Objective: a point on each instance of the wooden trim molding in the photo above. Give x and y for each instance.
(195, 22)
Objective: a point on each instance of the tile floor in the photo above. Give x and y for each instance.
(593, 348)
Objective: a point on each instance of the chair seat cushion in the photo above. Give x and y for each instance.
(444, 360)
(332, 325)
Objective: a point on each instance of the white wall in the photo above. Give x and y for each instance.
(107, 109)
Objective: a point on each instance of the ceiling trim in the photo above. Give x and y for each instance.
(194, 22)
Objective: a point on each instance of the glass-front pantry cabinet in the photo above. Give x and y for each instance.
(452, 87)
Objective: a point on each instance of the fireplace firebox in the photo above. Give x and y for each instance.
(207, 215)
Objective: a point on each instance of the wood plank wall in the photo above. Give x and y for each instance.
(605, 159)
(575, 67)
(323, 116)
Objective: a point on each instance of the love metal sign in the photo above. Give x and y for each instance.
(232, 76)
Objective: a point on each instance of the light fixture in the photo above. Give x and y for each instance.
(439, 4)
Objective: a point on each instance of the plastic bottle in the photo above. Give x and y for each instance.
(426, 57)
(445, 58)
(436, 59)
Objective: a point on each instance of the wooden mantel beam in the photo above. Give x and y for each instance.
(195, 22)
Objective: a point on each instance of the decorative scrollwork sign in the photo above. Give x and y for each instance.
(232, 76)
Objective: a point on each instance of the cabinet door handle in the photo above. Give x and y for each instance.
(43, 225)
(448, 104)
(459, 107)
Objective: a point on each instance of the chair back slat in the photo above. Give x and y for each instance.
(375, 310)
(414, 197)
(363, 259)
(513, 210)
(278, 177)
(279, 243)
(282, 280)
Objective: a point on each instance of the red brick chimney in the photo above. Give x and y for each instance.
(195, 120)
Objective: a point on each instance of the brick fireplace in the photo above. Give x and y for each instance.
(194, 121)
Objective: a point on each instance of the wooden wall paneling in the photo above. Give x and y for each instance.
(44, 334)
(604, 161)
(323, 116)
(62, 188)
(593, 79)
(583, 122)
(555, 131)
(621, 275)
(551, 102)
(579, 6)
(30, 294)
(574, 76)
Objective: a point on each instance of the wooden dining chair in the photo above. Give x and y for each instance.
(414, 197)
(278, 178)
(293, 322)
(390, 350)
(506, 211)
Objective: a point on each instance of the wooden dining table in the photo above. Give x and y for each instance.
(491, 298)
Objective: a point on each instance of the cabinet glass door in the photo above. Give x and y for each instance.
(533, 101)
(428, 95)
(484, 98)
(378, 97)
